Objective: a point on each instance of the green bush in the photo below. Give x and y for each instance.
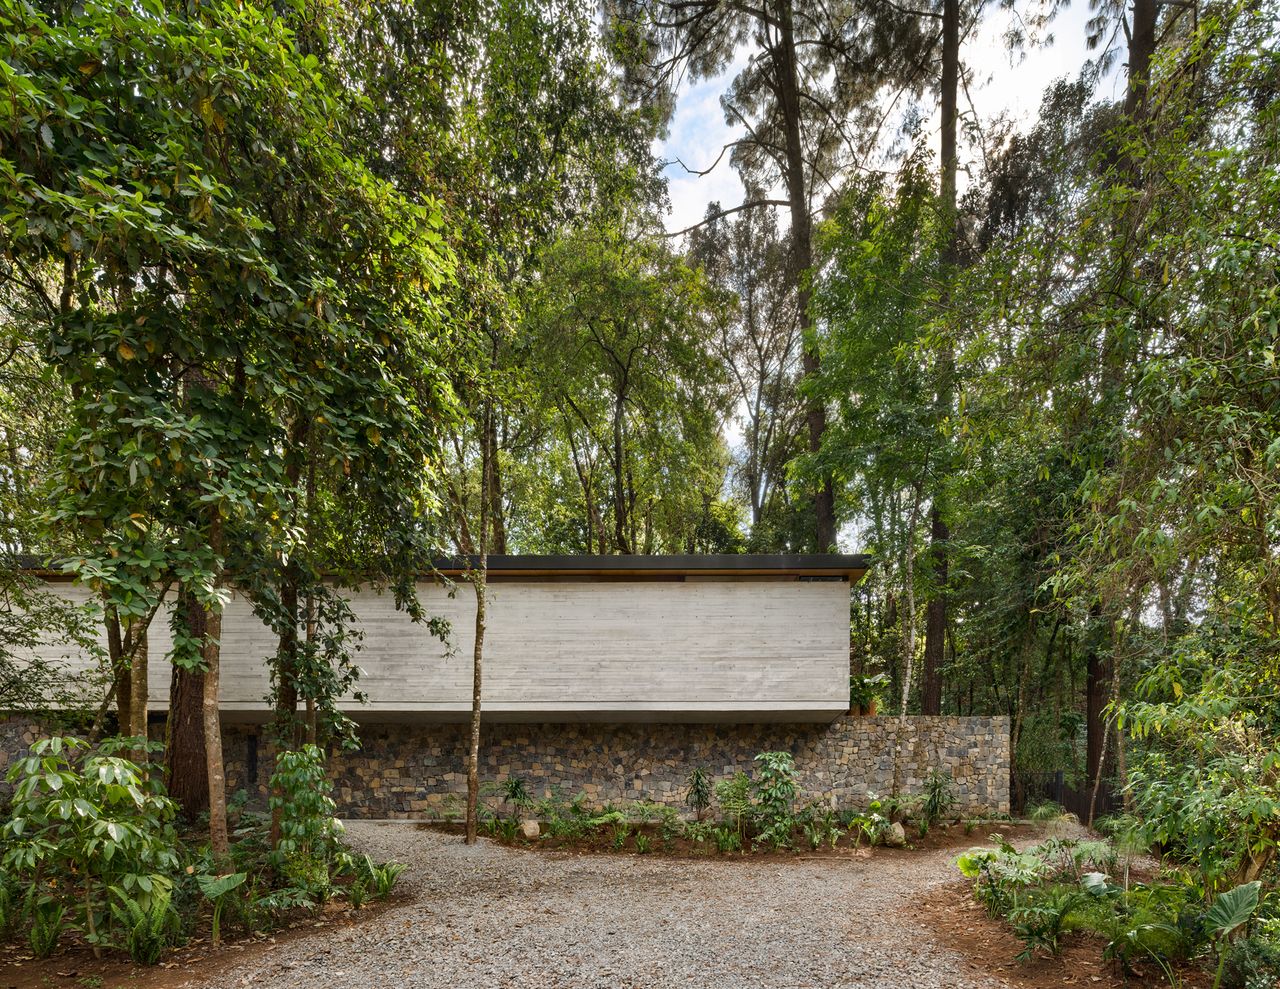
(309, 833)
(84, 823)
(1253, 962)
(775, 793)
(698, 793)
(149, 921)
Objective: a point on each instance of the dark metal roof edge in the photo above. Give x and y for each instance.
(720, 563)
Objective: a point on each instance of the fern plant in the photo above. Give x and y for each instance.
(148, 921)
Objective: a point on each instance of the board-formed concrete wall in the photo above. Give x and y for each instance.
(698, 650)
(404, 771)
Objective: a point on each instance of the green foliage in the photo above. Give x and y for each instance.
(642, 844)
(83, 822)
(47, 925)
(516, 792)
(382, 878)
(939, 797)
(775, 791)
(1039, 922)
(216, 889)
(727, 840)
(308, 830)
(148, 919)
(734, 797)
(867, 691)
(698, 791)
(1253, 962)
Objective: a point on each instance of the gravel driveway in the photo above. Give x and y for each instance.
(489, 916)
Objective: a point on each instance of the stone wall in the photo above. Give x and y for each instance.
(416, 770)
(412, 771)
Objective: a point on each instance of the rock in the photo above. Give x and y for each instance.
(895, 836)
(529, 828)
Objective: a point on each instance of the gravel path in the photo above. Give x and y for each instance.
(488, 916)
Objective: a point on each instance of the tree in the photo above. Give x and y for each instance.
(191, 307)
(760, 346)
(623, 336)
(806, 101)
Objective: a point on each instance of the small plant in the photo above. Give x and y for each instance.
(507, 828)
(734, 797)
(699, 792)
(727, 840)
(148, 921)
(1230, 911)
(308, 830)
(46, 927)
(670, 827)
(621, 832)
(357, 892)
(775, 792)
(642, 844)
(216, 889)
(516, 792)
(383, 878)
(938, 799)
(865, 691)
(1040, 924)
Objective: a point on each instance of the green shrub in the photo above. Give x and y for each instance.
(1253, 962)
(148, 920)
(621, 832)
(82, 822)
(382, 878)
(698, 792)
(734, 797)
(47, 924)
(775, 793)
(1039, 922)
(727, 840)
(309, 833)
(642, 844)
(939, 798)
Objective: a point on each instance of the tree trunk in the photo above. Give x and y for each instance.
(219, 842)
(499, 544)
(784, 58)
(619, 483)
(138, 692)
(939, 532)
(479, 580)
(186, 773)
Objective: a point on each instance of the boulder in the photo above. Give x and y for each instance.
(895, 836)
(529, 828)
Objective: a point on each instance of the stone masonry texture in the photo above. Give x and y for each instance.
(418, 771)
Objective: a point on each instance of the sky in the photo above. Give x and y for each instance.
(1001, 81)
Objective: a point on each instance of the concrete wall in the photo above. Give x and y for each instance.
(704, 649)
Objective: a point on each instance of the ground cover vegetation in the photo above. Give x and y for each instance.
(298, 296)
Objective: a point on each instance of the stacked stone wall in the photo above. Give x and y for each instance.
(404, 771)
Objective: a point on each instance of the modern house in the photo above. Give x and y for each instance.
(608, 675)
(586, 638)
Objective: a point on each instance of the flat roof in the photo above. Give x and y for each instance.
(849, 565)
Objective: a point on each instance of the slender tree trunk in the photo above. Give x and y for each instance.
(186, 772)
(784, 57)
(939, 532)
(480, 581)
(139, 696)
(219, 842)
(619, 482)
(908, 637)
(499, 544)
